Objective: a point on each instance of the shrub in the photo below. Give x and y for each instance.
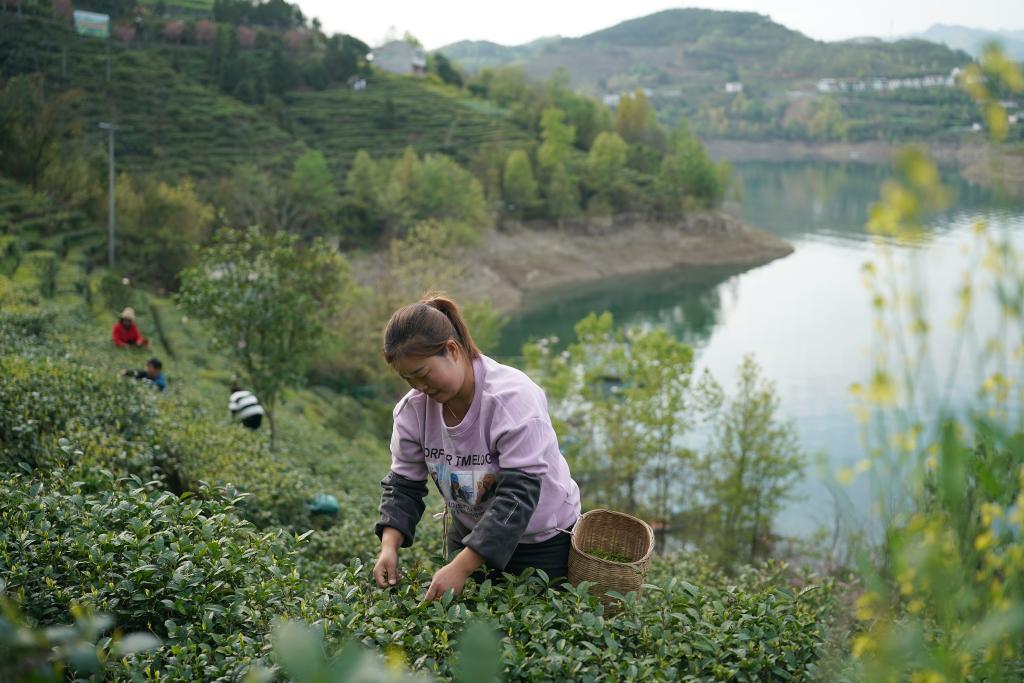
(188, 570)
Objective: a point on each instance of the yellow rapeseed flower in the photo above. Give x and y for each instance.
(863, 644)
(845, 476)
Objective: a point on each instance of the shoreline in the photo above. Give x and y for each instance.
(873, 152)
(523, 259)
(519, 259)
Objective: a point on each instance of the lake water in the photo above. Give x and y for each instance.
(806, 318)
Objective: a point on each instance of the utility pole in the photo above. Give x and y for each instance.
(111, 221)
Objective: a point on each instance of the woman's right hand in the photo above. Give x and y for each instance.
(385, 571)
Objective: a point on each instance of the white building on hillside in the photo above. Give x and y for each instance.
(399, 57)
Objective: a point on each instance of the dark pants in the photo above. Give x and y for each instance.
(253, 421)
(551, 555)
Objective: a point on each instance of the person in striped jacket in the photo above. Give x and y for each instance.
(245, 407)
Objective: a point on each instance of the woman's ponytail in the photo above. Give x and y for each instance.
(418, 330)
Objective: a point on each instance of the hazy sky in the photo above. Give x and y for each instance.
(439, 22)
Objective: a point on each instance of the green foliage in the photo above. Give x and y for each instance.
(557, 136)
(312, 186)
(401, 193)
(267, 301)
(301, 650)
(271, 13)
(39, 268)
(439, 64)
(184, 570)
(561, 193)
(757, 630)
(43, 400)
(828, 122)
(44, 655)
(250, 197)
(623, 399)
(749, 471)
(635, 120)
(518, 184)
(135, 508)
(160, 229)
(688, 178)
(32, 128)
(168, 120)
(606, 166)
(944, 596)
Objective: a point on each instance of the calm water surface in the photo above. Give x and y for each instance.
(806, 318)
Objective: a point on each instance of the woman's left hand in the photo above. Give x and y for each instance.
(453, 575)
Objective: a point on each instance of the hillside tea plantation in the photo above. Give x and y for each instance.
(144, 508)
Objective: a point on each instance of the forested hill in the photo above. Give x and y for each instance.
(728, 45)
(684, 59)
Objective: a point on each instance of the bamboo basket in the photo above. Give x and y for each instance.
(616, 533)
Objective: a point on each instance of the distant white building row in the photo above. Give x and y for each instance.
(829, 85)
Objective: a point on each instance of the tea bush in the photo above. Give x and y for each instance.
(43, 398)
(188, 570)
(552, 631)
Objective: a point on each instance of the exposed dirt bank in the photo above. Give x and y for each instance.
(521, 258)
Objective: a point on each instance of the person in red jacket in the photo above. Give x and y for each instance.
(126, 332)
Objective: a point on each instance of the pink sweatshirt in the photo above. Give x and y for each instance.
(507, 427)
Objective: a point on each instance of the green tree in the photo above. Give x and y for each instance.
(635, 119)
(828, 122)
(160, 228)
(282, 76)
(623, 399)
(688, 178)
(588, 116)
(518, 184)
(343, 57)
(434, 188)
(750, 469)
(396, 193)
(442, 66)
(311, 184)
(557, 138)
(362, 209)
(606, 166)
(562, 195)
(267, 299)
(251, 197)
(33, 128)
(561, 190)
(444, 191)
(429, 257)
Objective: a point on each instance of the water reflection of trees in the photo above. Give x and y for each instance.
(799, 199)
(687, 302)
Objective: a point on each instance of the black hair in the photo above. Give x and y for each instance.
(155, 362)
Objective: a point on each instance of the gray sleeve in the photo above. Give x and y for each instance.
(497, 533)
(401, 506)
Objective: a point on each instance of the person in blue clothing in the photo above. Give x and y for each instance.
(153, 374)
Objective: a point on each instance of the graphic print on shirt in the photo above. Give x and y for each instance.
(466, 490)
